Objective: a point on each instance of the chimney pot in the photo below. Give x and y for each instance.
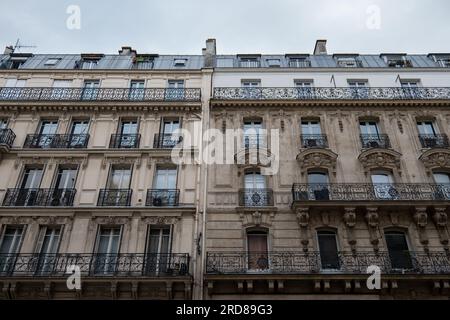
(321, 47)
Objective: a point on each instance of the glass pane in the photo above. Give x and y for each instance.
(255, 181)
(369, 128)
(328, 250)
(79, 127)
(11, 240)
(398, 250)
(129, 127)
(317, 178)
(311, 128)
(381, 179)
(32, 178)
(257, 251)
(51, 241)
(441, 178)
(166, 179)
(48, 127)
(66, 179)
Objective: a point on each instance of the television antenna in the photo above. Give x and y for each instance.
(19, 46)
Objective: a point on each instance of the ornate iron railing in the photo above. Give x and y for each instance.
(371, 192)
(124, 141)
(434, 141)
(100, 94)
(370, 141)
(293, 93)
(314, 141)
(7, 137)
(255, 197)
(166, 140)
(122, 264)
(311, 262)
(162, 197)
(54, 141)
(114, 197)
(39, 197)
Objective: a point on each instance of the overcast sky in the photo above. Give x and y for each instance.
(240, 26)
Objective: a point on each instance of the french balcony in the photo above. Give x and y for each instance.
(370, 192)
(95, 265)
(7, 137)
(432, 141)
(314, 263)
(344, 93)
(373, 141)
(56, 141)
(310, 141)
(255, 198)
(162, 197)
(166, 140)
(114, 198)
(101, 94)
(39, 198)
(124, 141)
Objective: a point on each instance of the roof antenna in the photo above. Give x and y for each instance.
(19, 46)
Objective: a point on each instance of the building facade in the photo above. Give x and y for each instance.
(338, 163)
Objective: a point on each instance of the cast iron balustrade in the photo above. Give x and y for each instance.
(100, 94)
(124, 141)
(371, 141)
(166, 140)
(162, 197)
(371, 192)
(114, 197)
(347, 93)
(56, 141)
(7, 137)
(94, 265)
(434, 141)
(39, 197)
(310, 263)
(314, 141)
(255, 197)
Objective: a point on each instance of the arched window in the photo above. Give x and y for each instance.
(399, 252)
(257, 247)
(328, 249)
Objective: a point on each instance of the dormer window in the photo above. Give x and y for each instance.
(179, 62)
(143, 62)
(52, 61)
(397, 61)
(348, 62)
(88, 61)
(249, 62)
(299, 62)
(89, 64)
(443, 60)
(274, 63)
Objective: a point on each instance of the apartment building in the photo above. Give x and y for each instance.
(338, 163)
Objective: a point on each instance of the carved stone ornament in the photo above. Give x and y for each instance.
(315, 158)
(252, 218)
(435, 158)
(53, 160)
(160, 220)
(110, 220)
(421, 220)
(350, 217)
(111, 159)
(377, 158)
(303, 217)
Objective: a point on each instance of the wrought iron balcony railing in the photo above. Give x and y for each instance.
(371, 141)
(114, 198)
(294, 93)
(39, 197)
(434, 141)
(100, 94)
(371, 192)
(166, 140)
(313, 263)
(314, 141)
(55, 141)
(124, 141)
(95, 265)
(255, 197)
(162, 197)
(7, 137)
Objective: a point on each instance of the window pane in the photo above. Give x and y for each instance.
(328, 250)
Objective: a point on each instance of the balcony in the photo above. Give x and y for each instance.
(311, 263)
(106, 265)
(7, 137)
(124, 141)
(373, 141)
(114, 198)
(162, 197)
(323, 94)
(56, 141)
(166, 140)
(310, 141)
(39, 197)
(255, 198)
(370, 192)
(101, 94)
(432, 141)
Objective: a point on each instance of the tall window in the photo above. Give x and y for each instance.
(137, 90)
(253, 134)
(31, 181)
(47, 248)
(442, 180)
(158, 249)
(90, 90)
(166, 178)
(383, 184)
(46, 133)
(370, 135)
(175, 90)
(398, 249)
(318, 186)
(258, 256)
(3, 124)
(10, 243)
(78, 134)
(15, 83)
(127, 134)
(429, 137)
(312, 135)
(64, 186)
(107, 249)
(426, 128)
(328, 249)
(169, 137)
(255, 193)
(120, 177)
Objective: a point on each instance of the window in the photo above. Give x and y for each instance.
(52, 61)
(360, 88)
(444, 62)
(90, 90)
(64, 186)
(383, 185)
(78, 135)
(107, 249)
(175, 90)
(46, 134)
(251, 83)
(249, 62)
(46, 248)
(158, 249)
(311, 128)
(144, 62)
(358, 83)
(3, 124)
(429, 137)
(410, 83)
(274, 63)
(300, 62)
(165, 178)
(312, 135)
(10, 243)
(179, 62)
(127, 134)
(89, 64)
(369, 128)
(164, 188)
(426, 128)
(442, 178)
(303, 83)
(318, 186)
(370, 135)
(348, 62)
(169, 137)
(258, 256)
(329, 257)
(253, 134)
(137, 90)
(15, 83)
(255, 194)
(120, 177)
(29, 187)
(398, 249)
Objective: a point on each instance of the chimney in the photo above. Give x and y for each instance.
(8, 50)
(321, 47)
(209, 53)
(127, 51)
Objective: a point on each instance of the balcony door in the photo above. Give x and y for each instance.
(158, 250)
(78, 134)
(442, 180)
(383, 185)
(410, 88)
(128, 133)
(328, 248)
(258, 256)
(90, 90)
(64, 186)
(255, 193)
(426, 128)
(107, 250)
(318, 186)
(164, 187)
(311, 134)
(137, 90)
(47, 248)
(29, 187)
(253, 134)
(175, 90)
(46, 133)
(370, 134)
(169, 138)
(59, 91)
(398, 249)
(360, 88)
(118, 186)
(10, 243)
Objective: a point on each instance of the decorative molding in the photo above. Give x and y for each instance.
(54, 159)
(373, 222)
(434, 159)
(160, 220)
(440, 219)
(380, 158)
(120, 159)
(256, 218)
(317, 158)
(112, 220)
(420, 217)
(350, 223)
